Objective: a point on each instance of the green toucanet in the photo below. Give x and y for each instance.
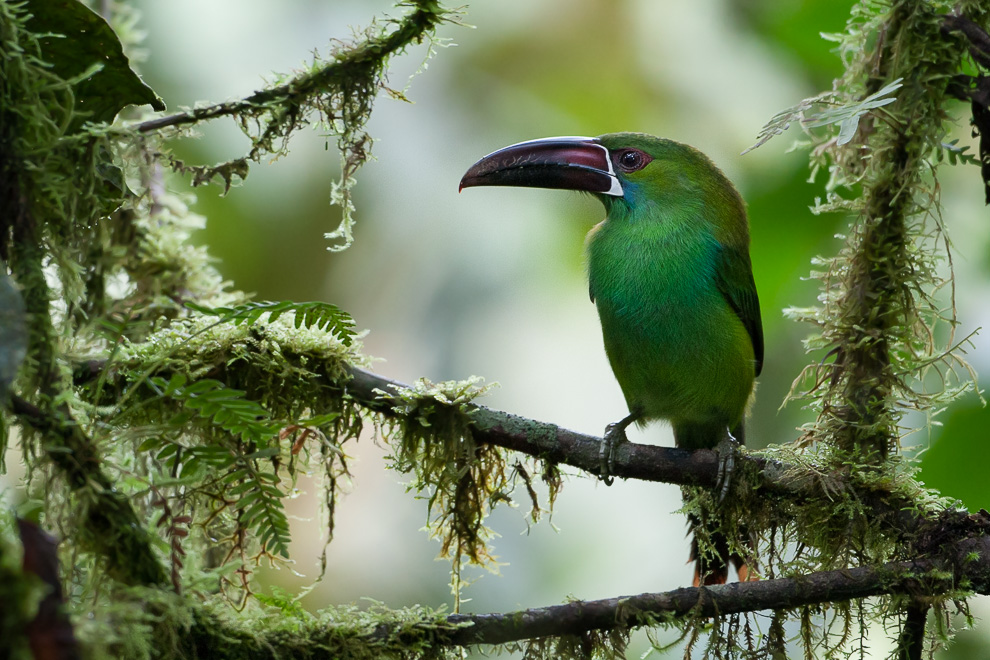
(669, 271)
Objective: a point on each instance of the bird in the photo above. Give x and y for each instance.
(670, 273)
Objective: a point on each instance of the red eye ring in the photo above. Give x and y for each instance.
(631, 160)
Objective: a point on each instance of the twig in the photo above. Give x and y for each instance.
(412, 29)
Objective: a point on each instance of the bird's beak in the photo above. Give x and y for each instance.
(569, 163)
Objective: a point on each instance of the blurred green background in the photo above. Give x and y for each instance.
(491, 282)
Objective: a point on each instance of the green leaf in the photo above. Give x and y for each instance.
(842, 113)
(250, 493)
(167, 451)
(80, 46)
(954, 153)
(240, 489)
(149, 444)
(847, 130)
(263, 453)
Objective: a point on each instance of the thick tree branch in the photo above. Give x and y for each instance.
(632, 461)
(966, 562)
(944, 567)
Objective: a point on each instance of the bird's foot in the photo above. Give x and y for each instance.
(727, 450)
(615, 435)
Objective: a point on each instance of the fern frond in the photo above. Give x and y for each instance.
(261, 509)
(322, 315)
(222, 406)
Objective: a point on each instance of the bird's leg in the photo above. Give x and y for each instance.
(727, 450)
(615, 435)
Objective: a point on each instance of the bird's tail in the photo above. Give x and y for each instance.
(711, 566)
(712, 558)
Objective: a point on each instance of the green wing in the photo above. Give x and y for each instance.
(735, 280)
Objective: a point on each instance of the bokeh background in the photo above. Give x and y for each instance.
(491, 282)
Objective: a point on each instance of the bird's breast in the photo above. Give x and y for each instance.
(677, 349)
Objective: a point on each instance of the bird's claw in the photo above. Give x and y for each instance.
(727, 450)
(615, 435)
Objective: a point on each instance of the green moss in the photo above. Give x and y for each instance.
(885, 343)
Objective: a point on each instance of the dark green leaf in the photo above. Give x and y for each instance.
(149, 444)
(263, 453)
(80, 44)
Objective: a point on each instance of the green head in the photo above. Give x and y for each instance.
(626, 171)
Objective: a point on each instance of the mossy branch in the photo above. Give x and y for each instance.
(112, 528)
(340, 93)
(671, 465)
(896, 506)
(948, 570)
(881, 309)
(350, 65)
(889, 506)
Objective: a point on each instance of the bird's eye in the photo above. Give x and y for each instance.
(630, 160)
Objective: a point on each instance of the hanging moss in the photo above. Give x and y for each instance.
(165, 417)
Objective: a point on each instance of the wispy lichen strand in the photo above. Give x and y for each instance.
(460, 479)
(880, 300)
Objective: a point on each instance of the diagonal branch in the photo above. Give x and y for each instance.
(556, 444)
(412, 30)
(965, 562)
(672, 465)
